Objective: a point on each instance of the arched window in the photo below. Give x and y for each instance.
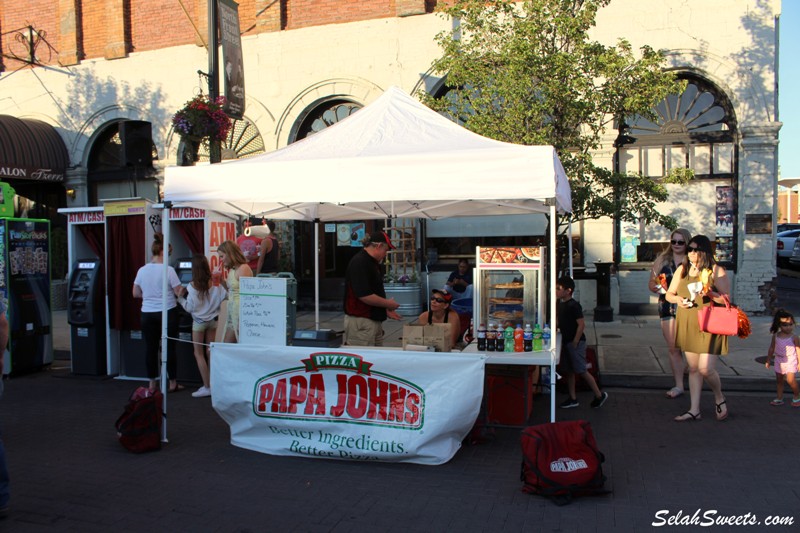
(694, 129)
(325, 115)
(244, 140)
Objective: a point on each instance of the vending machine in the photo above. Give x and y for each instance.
(25, 288)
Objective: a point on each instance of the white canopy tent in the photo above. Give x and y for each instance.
(395, 158)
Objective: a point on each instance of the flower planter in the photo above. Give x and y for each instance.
(408, 295)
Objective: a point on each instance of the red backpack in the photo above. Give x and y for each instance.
(561, 460)
(139, 426)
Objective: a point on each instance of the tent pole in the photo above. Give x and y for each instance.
(569, 245)
(316, 274)
(553, 309)
(164, 318)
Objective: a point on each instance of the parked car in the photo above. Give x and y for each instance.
(786, 226)
(785, 245)
(794, 260)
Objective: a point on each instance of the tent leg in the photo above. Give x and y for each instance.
(164, 319)
(316, 274)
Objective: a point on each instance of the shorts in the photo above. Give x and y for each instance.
(359, 331)
(574, 359)
(203, 326)
(666, 310)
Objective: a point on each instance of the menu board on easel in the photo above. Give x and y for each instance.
(262, 311)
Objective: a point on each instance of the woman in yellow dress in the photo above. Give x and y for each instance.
(233, 260)
(697, 283)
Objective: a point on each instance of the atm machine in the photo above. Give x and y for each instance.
(86, 315)
(186, 366)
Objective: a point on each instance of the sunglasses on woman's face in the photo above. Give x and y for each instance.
(678, 243)
(694, 248)
(438, 300)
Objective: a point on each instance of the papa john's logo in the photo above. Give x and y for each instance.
(340, 387)
(565, 464)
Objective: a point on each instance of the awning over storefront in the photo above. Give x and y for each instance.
(31, 150)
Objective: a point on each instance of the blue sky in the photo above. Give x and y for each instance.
(789, 97)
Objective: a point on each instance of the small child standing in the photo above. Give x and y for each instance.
(203, 301)
(573, 340)
(783, 349)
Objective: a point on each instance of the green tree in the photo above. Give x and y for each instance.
(527, 73)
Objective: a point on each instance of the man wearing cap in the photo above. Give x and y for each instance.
(365, 302)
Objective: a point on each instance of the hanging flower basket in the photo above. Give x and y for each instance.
(202, 118)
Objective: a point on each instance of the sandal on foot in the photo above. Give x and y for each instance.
(177, 388)
(687, 416)
(722, 414)
(796, 402)
(776, 401)
(674, 392)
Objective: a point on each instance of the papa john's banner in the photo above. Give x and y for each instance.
(347, 403)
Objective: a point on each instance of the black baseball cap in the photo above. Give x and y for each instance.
(379, 237)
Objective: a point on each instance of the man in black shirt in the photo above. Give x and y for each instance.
(365, 302)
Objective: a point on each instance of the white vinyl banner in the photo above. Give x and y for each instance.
(347, 403)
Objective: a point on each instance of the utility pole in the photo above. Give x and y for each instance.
(215, 149)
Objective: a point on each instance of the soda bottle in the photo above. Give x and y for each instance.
(469, 335)
(546, 337)
(508, 336)
(537, 338)
(491, 335)
(482, 338)
(527, 338)
(518, 334)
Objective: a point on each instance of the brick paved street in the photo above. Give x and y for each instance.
(69, 473)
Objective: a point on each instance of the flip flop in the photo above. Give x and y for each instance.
(177, 388)
(722, 415)
(687, 417)
(776, 401)
(674, 392)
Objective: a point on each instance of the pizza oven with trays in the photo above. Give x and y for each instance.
(509, 286)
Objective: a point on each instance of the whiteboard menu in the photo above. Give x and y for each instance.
(262, 311)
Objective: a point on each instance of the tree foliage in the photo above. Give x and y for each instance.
(527, 73)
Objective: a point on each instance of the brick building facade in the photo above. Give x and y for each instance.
(114, 60)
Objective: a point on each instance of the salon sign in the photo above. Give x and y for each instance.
(349, 403)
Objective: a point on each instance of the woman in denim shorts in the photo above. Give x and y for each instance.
(203, 301)
(665, 265)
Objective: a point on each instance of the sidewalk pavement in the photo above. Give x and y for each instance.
(69, 473)
(631, 350)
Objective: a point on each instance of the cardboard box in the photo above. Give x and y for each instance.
(436, 335)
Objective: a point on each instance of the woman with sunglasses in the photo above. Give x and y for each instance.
(665, 265)
(440, 312)
(699, 282)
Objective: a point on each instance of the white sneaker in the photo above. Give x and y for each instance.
(202, 392)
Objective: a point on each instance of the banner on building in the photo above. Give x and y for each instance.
(347, 403)
(231, 39)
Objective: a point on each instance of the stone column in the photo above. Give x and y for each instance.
(270, 15)
(117, 43)
(407, 8)
(68, 53)
(76, 180)
(758, 178)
